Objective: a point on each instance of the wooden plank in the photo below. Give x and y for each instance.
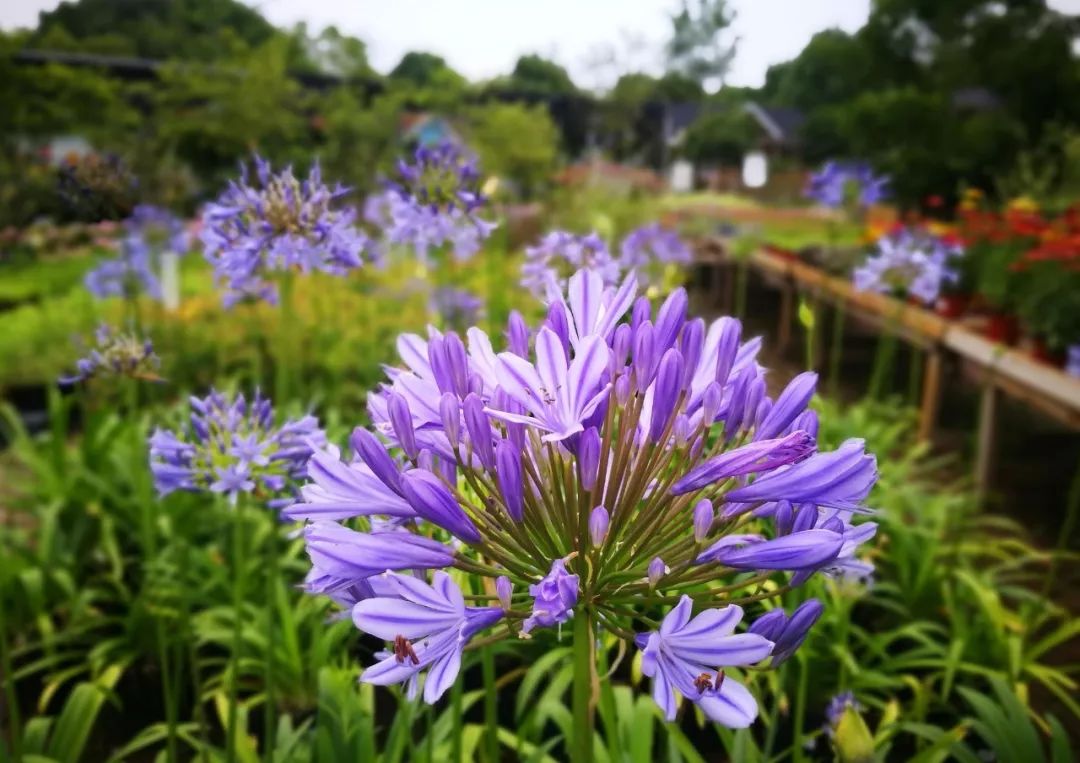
(931, 395)
(985, 444)
(1044, 387)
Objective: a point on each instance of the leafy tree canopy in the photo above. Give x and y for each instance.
(192, 29)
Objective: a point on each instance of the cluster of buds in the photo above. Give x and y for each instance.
(618, 464)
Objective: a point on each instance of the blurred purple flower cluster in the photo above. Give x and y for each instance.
(911, 262)
(276, 222)
(838, 184)
(432, 201)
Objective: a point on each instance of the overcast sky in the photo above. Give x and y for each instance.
(594, 39)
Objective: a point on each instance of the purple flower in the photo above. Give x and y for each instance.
(432, 500)
(689, 655)
(837, 184)
(839, 479)
(652, 242)
(908, 262)
(435, 200)
(787, 633)
(128, 275)
(598, 525)
(1072, 365)
(279, 223)
(159, 228)
(347, 555)
(560, 254)
(806, 550)
(342, 490)
(457, 307)
(559, 395)
(429, 626)
(649, 249)
(233, 447)
(608, 438)
(554, 598)
(760, 456)
(836, 708)
(116, 354)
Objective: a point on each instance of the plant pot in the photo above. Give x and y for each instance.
(1003, 328)
(1042, 352)
(953, 305)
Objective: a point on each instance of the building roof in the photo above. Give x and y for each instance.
(781, 123)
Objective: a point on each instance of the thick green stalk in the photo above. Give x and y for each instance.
(584, 677)
(269, 708)
(457, 692)
(491, 708)
(286, 353)
(800, 710)
(149, 551)
(8, 679)
(238, 636)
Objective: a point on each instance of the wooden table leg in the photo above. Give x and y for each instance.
(931, 395)
(984, 449)
(787, 316)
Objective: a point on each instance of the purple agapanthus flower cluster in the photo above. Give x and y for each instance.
(620, 463)
(648, 250)
(559, 254)
(116, 354)
(232, 446)
(130, 274)
(434, 200)
(653, 243)
(458, 308)
(838, 184)
(158, 229)
(909, 262)
(275, 223)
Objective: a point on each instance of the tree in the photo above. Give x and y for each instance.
(698, 47)
(192, 29)
(516, 142)
(539, 76)
(720, 138)
(834, 67)
(426, 70)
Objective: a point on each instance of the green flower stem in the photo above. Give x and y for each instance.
(457, 692)
(231, 731)
(149, 551)
(287, 349)
(491, 707)
(11, 697)
(269, 708)
(800, 710)
(584, 678)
